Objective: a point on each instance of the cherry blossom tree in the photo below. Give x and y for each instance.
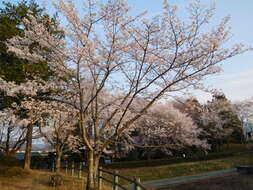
(109, 59)
(189, 106)
(220, 122)
(31, 111)
(166, 128)
(12, 132)
(13, 68)
(58, 125)
(244, 109)
(213, 127)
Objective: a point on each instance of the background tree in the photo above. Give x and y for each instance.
(191, 107)
(213, 128)
(227, 114)
(58, 128)
(167, 129)
(220, 122)
(12, 132)
(222, 118)
(109, 71)
(244, 110)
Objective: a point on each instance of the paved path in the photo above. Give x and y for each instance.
(185, 179)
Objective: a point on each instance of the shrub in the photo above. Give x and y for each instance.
(56, 180)
(9, 161)
(39, 162)
(159, 162)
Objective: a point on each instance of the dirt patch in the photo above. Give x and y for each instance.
(231, 182)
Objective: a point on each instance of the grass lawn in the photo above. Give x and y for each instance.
(190, 168)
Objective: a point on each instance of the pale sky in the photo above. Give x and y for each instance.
(236, 81)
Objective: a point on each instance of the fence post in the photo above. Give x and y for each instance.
(53, 166)
(100, 174)
(80, 170)
(72, 169)
(116, 181)
(66, 167)
(136, 186)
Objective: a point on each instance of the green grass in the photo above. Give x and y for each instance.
(190, 168)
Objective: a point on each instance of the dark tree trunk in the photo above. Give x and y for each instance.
(7, 143)
(28, 148)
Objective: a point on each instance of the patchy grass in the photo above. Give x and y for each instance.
(13, 172)
(13, 177)
(16, 178)
(40, 180)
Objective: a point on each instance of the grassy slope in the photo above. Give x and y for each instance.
(183, 169)
(37, 180)
(14, 177)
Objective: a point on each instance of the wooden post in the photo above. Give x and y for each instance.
(136, 186)
(116, 181)
(66, 167)
(80, 170)
(53, 166)
(73, 169)
(100, 180)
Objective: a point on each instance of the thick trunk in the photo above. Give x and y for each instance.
(58, 161)
(28, 148)
(93, 163)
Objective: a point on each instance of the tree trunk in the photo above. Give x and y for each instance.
(10, 153)
(93, 163)
(7, 143)
(58, 160)
(28, 148)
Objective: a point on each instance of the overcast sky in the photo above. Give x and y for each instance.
(236, 81)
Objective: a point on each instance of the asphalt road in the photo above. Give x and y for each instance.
(159, 183)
